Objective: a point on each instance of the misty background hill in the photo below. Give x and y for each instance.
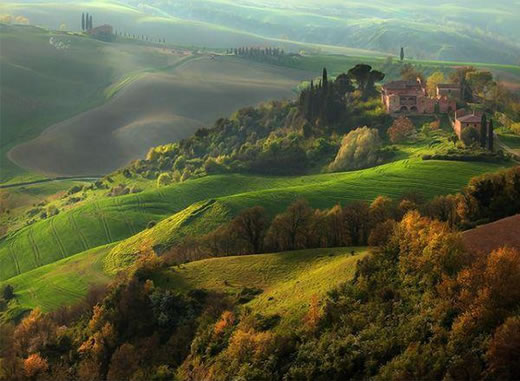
(461, 30)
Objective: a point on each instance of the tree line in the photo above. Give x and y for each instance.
(487, 198)
(328, 101)
(252, 51)
(141, 37)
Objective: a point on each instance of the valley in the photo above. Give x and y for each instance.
(216, 190)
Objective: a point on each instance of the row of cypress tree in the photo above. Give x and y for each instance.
(86, 21)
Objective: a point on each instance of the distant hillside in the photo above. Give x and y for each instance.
(489, 237)
(448, 30)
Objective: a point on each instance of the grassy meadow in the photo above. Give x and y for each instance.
(60, 283)
(108, 220)
(288, 280)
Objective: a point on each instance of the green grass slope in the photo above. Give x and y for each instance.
(108, 220)
(288, 280)
(61, 283)
(430, 178)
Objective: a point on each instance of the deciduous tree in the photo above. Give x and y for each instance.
(402, 128)
(250, 226)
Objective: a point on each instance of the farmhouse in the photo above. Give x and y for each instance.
(103, 32)
(411, 97)
(464, 118)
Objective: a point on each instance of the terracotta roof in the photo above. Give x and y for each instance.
(486, 238)
(470, 118)
(402, 85)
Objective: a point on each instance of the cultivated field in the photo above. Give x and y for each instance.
(288, 280)
(486, 238)
(154, 109)
(47, 77)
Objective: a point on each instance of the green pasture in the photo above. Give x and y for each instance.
(288, 280)
(61, 283)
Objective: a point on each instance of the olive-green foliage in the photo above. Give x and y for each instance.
(359, 149)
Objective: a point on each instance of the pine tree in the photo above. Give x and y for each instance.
(402, 53)
(82, 21)
(483, 128)
(490, 135)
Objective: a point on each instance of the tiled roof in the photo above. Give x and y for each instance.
(402, 85)
(470, 118)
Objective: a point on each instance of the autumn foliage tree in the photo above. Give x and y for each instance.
(35, 366)
(402, 129)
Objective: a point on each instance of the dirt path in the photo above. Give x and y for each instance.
(509, 150)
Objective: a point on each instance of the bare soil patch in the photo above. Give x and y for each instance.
(486, 238)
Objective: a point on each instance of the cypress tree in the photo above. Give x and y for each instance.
(483, 128)
(310, 103)
(490, 135)
(86, 21)
(83, 21)
(402, 54)
(90, 22)
(325, 80)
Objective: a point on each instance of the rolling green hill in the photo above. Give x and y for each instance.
(47, 77)
(60, 283)
(393, 180)
(288, 280)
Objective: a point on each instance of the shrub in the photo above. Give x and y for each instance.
(75, 189)
(470, 136)
(179, 163)
(8, 292)
(164, 179)
(52, 210)
(359, 149)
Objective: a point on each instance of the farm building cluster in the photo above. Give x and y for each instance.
(411, 97)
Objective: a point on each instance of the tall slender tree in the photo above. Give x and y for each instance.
(86, 21)
(325, 78)
(83, 21)
(402, 54)
(483, 131)
(90, 23)
(490, 135)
